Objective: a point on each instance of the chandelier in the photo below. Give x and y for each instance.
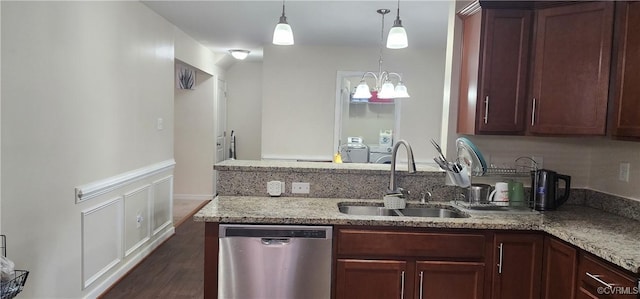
(384, 88)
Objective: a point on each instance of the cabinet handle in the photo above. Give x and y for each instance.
(402, 285)
(533, 113)
(421, 283)
(500, 259)
(597, 278)
(486, 109)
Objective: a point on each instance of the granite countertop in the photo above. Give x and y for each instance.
(608, 236)
(295, 166)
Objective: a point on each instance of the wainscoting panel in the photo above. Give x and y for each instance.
(136, 218)
(101, 239)
(162, 204)
(97, 188)
(129, 215)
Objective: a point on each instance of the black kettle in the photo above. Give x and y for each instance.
(544, 189)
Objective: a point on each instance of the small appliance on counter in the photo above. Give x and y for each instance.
(544, 189)
(354, 151)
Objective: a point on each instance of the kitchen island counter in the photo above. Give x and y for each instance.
(608, 236)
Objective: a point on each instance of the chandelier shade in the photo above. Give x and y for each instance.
(384, 87)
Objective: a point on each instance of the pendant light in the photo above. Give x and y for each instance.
(283, 35)
(397, 38)
(384, 87)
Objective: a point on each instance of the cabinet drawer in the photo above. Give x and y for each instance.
(604, 281)
(355, 242)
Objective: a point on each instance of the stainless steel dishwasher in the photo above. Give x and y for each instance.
(274, 262)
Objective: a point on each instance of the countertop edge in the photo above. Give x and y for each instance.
(561, 232)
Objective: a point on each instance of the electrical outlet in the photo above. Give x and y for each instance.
(275, 188)
(623, 173)
(139, 220)
(160, 124)
(300, 188)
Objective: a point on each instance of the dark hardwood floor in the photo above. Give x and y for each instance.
(173, 270)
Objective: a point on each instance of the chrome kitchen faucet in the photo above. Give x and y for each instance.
(393, 188)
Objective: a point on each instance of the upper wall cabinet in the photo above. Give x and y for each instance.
(625, 113)
(571, 66)
(495, 56)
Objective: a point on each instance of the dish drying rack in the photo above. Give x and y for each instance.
(523, 168)
(12, 287)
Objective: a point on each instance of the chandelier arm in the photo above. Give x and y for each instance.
(397, 75)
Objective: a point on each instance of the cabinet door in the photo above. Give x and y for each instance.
(505, 57)
(463, 280)
(560, 269)
(370, 278)
(518, 269)
(597, 279)
(571, 69)
(495, 55)
(626, 111)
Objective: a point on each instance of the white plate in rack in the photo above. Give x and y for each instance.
(470, 156)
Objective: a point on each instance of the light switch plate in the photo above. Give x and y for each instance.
(275, 188)
(623, 174)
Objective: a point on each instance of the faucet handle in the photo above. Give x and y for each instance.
(405, 193)
(424, 198)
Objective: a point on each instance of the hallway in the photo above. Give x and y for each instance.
(173, 270)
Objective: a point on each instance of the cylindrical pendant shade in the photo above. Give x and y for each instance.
(283, 35)
(397, 38)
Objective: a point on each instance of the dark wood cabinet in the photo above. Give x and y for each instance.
(560, 267)
(370, 278)
(495, 57)
(571, 69)
(518, 269)
(444, 279)
(625, 113)
(410, 263)
(597, 279)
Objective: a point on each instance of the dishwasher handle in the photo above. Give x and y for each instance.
(275, 241)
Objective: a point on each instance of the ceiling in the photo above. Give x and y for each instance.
(224, 25)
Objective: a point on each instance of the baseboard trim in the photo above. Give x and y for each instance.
(193, 196)
(127, 267)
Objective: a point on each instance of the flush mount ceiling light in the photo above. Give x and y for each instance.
(239, 54)
(384, 86)
(283, 35)
(397, 38)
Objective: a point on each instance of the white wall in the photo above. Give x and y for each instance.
(606, 156)
(195, 125)
(194, 138)
(0, 123)
(299, 86)
(244, 107)
(88, 81)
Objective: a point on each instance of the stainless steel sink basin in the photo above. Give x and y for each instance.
(431, 212)
(367, 210)
(407, 212)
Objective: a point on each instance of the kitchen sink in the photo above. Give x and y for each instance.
(367, 211)
(407, 212)
(430, 212)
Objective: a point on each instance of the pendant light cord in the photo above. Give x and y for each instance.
(381, 44)
(283, 7)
